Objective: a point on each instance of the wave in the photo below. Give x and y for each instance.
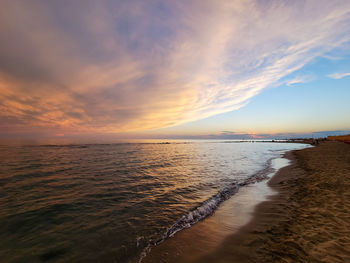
(208, 207)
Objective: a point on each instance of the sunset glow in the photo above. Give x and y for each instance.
(101, 67)
(188, 131)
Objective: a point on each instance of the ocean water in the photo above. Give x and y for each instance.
(114, 202)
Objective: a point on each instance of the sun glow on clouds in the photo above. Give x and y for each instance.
(116, 66)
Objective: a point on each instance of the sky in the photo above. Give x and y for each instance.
(174, 69)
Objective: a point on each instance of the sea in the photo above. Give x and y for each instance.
(115, 202)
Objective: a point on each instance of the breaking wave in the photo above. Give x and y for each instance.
(208, 207)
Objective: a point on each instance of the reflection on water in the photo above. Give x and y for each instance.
(88, 203)
(191, 245)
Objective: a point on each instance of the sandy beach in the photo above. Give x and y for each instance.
(307, 221)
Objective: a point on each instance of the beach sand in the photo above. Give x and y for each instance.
(307, 221)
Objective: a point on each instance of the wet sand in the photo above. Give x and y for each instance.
(307, 221)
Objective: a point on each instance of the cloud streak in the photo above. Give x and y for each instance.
(117, 66)
(299, 79)
(338, 75)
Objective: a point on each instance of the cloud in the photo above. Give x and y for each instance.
(299, 79)
(338, 75)
(118, 66)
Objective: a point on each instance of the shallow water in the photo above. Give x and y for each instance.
(211, 233)
(109, 202)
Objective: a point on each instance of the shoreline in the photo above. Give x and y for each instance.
(242, 245)
(228, 218)
(306, 221)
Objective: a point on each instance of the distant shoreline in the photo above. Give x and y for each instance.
(155, 141)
